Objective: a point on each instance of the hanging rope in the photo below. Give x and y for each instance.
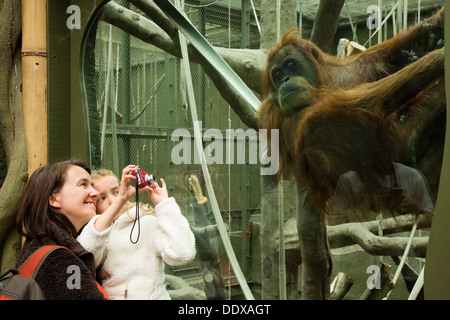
(229, 164)
(107, 88)
(256, 17)
(405, 255)
(417, 286)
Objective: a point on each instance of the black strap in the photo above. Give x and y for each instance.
(136, 219)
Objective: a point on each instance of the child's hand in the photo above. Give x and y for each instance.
(126, 190)
(158, 194)
(122, 195)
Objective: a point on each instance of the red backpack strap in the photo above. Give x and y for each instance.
(100, 288)
(31, 266)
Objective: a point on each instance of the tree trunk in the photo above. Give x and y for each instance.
(326, 23)
(11, 124)
(316, 258)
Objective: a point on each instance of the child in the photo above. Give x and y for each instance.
(135, 271)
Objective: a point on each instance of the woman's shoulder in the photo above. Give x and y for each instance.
(29, 247)
(62, 271)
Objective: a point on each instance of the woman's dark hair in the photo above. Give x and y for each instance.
(35, 211)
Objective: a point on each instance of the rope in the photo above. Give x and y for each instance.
(405, 255)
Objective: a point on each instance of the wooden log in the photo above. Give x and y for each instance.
(340, 286)
(384, 287)
(362, 233)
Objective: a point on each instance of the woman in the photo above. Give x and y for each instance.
(59, 200)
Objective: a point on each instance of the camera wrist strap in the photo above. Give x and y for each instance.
(136, 219)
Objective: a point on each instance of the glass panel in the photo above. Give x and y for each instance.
(138, 114)
(152, 127)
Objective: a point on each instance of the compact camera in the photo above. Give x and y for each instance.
(143, 178)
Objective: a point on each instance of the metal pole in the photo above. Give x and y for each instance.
(380, 26)
(281, 251)
(278, 19)
(405, 15)
(394, 23)
(350, 19)
(400, 5)
(418, 11)
(300, 19)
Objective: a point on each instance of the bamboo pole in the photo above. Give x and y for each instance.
(34, 70)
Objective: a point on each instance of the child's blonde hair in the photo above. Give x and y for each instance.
(101, 173)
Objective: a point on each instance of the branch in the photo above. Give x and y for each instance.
(153, 11)
(386, 246)
(139, 27)
(390, 226)
(362, 233)
(326, 23)
(247, 63)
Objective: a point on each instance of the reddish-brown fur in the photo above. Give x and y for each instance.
(347, 124)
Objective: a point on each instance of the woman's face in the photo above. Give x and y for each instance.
(77, 198)
(108, 188)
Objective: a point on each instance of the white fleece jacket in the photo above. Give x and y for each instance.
(136, 271)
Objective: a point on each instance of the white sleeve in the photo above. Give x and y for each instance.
(176, 242)
(94, 241)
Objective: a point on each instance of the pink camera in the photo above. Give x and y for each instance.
(143, 178)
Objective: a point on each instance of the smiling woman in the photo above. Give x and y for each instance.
(77, 198)
(58, 201)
